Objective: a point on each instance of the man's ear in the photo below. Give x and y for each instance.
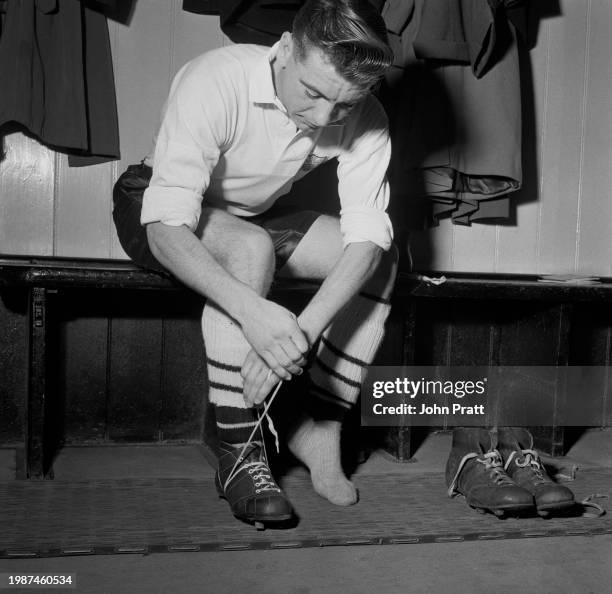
(285, 48)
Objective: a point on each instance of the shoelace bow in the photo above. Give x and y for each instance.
(529, 458)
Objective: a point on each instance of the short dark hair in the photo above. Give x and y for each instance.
(351, 33)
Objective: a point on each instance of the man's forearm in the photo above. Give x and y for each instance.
(346, 279)
(183, 254)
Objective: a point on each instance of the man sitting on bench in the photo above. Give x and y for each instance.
(240, 125)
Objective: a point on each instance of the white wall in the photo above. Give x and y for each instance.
(563, 217)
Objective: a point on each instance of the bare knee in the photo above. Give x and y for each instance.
(251, 258)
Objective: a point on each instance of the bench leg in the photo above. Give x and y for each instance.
(550, 440)
(398, 441)
(37, 384)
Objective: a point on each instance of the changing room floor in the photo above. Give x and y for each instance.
(551, 564)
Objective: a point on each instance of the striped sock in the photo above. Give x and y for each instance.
(347, 346)
(226, 350)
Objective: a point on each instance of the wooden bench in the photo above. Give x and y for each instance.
(46, 280)
(417, 305)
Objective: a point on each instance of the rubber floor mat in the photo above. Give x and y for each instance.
(54, 518)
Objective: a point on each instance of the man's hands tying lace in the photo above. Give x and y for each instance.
(258, 379)
(277, 340)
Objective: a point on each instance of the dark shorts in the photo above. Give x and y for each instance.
(286, 225)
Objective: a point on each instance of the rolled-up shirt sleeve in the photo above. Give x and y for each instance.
(188, 145)
(362, 183)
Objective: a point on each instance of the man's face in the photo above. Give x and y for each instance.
(311, 89)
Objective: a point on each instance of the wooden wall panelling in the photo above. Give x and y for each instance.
(607, 399)
(83, 210)
(532, 335)
(570, 82)
(590, 334)
(13, 366)
(474, 341)
(475, 247)
(83, 203)
(183, 372)
(26, 197)
(391, 349)
(433, 335)
(397, 441)
(594, 225)
(551, 437)
(591, 344)
(425, 338)
(470, 341)
(136, 339)
(142, 60)
(116, 167)
(432, 248)
(144, 68)
(458, 334)
(192, 35)
(83, 370)
(561, 130)
(539, 59)
(517, 238)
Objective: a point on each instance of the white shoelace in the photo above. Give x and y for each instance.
(262, 415)
(530, 458)
(260, 473)
(491, 461)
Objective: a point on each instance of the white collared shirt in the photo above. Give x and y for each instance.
(226, 140)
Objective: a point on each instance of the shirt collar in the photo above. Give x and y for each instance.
(261, 84)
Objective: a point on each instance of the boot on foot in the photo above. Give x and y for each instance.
(247, 484)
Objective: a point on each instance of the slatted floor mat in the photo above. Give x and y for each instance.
(53, 518)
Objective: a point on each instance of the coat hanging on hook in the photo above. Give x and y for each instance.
(56, 77)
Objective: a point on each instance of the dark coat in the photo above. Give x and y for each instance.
(56, 77)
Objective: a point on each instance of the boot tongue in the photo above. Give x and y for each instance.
(509, 443)
(488, 442)
(523, 438)
(253, 453)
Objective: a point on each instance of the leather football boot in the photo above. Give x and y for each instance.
(251, 491)
(523, 465)
(474, 469)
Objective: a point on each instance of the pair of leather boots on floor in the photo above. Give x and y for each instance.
(502, 473)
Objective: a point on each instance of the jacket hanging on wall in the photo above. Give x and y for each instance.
(249, 21)
(56, 77)
(455, 105)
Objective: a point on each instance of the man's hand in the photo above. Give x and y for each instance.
(276, 337)
(258, 378)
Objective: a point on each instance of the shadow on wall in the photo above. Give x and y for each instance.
(530, 189)
(421, 86)
(409, 209)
